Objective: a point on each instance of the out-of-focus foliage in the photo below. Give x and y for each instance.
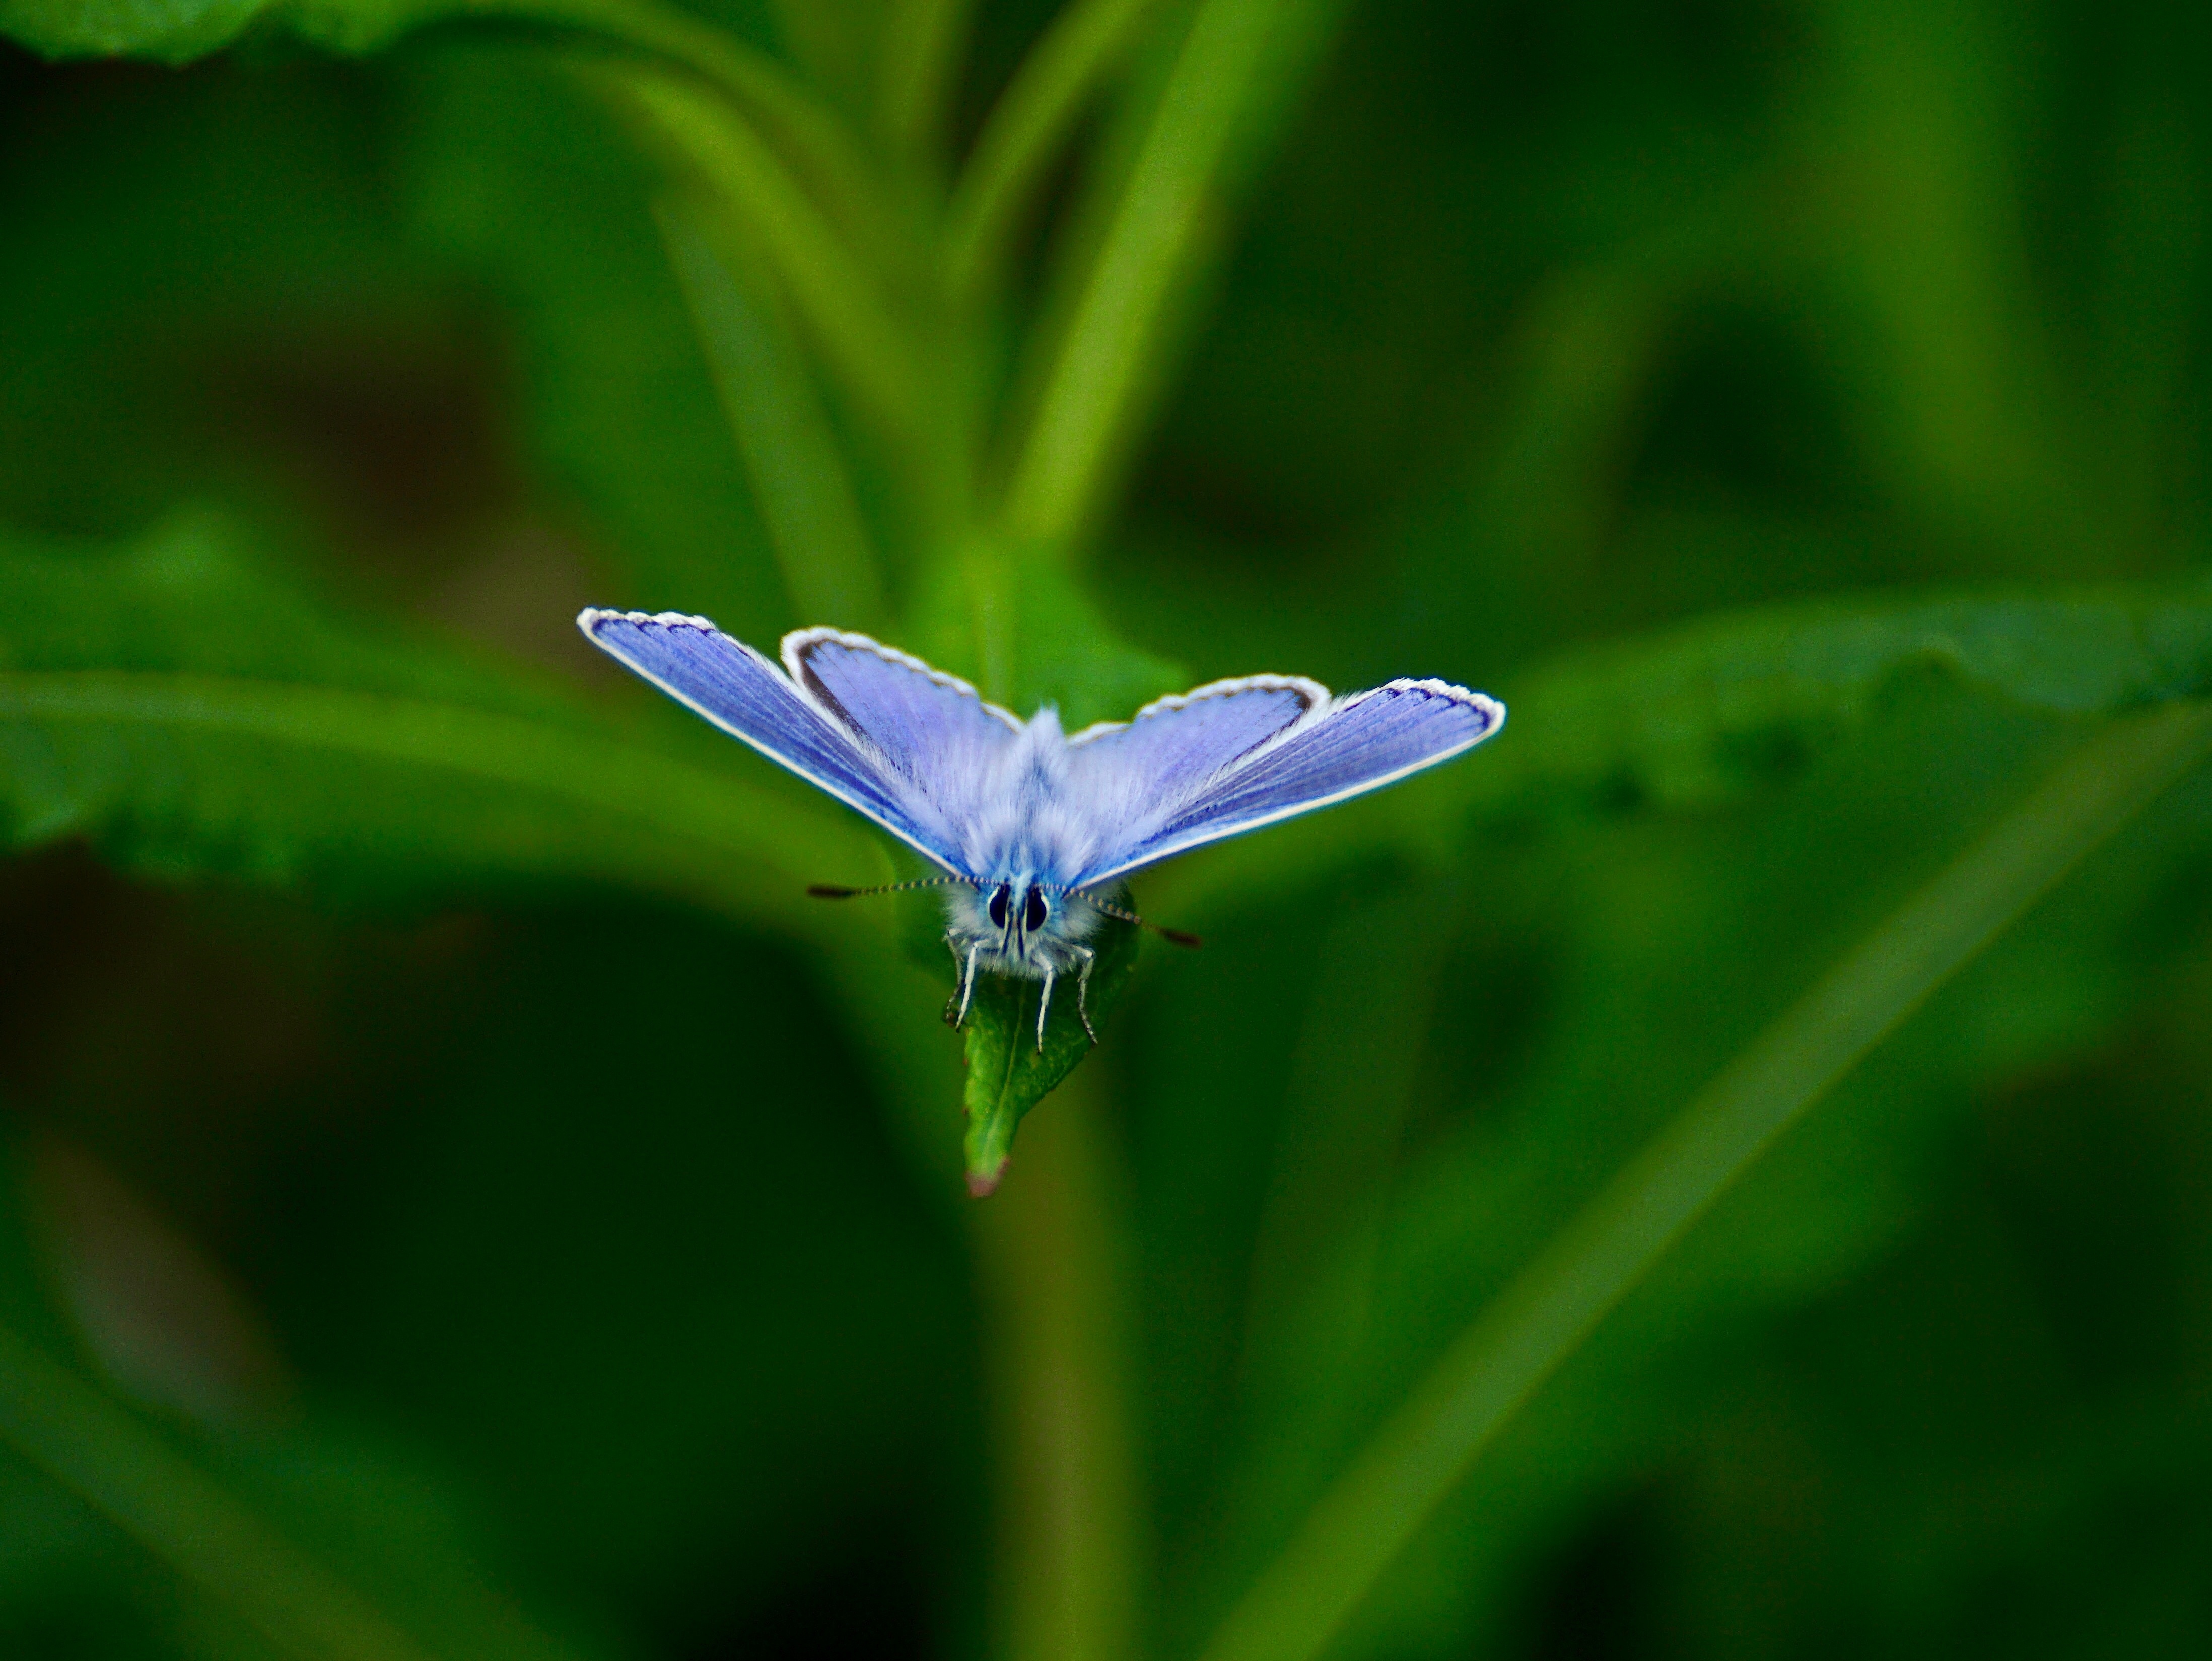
(198, 717)
(460, 1199)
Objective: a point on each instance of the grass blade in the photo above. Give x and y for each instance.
(190, 1521)
(1414, 1460)
(1032, 120)
(830, 288)
(791, 453)
(919, 55)
(801, 125)
(1104, 359)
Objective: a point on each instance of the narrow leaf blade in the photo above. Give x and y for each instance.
(1008, 1072)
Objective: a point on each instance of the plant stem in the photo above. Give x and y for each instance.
(1052, 1263)
(1498, 1363)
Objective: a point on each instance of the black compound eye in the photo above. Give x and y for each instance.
(998, 906)
(1033, 911)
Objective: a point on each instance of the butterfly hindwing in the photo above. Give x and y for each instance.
(1331, 754)
(746, 695)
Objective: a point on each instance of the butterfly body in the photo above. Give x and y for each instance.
(1034, 828)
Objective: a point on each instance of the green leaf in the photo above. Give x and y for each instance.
(179, 31)
(1959, 367)
(1009, 1072)
(171, 33)
(194, 716)
(1697, 716)
(1721, 708)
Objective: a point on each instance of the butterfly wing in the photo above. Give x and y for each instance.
(746, 695)
(1189, 737)
(930, 728)
(1331, 753)
(919, 753)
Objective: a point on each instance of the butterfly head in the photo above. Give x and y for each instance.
(1019, 924)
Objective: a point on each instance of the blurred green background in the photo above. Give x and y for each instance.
(461, 1202)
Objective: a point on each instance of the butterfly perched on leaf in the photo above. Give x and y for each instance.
(1035, 829)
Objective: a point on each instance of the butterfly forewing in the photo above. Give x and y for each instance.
(1179, 744)
(1368, 740)
(923, 723)
(745, 695)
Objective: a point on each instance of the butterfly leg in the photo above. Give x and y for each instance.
(956, 1011)
(1044, 1008)
(1083, 993)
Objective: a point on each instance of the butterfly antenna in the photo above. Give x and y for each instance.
(823, 890)
(1175, 935)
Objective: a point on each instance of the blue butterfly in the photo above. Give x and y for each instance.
(1036, 828)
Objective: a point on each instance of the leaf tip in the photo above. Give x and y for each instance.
(982, 1184)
